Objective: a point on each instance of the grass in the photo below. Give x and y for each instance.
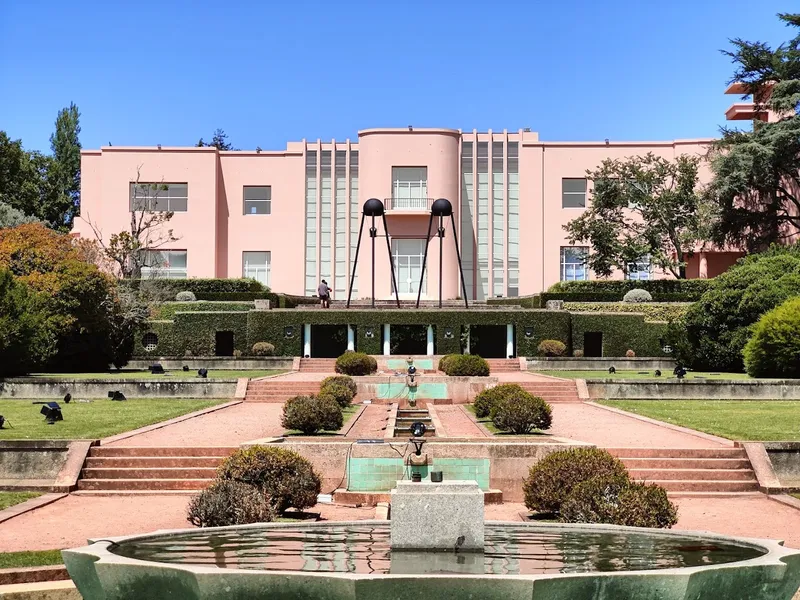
(640, 375)
(171, 375)
(38, 558)
(92, 420)
(347, 414)
(761, 420)
(11, 498)
(796, 496)
(487, 423)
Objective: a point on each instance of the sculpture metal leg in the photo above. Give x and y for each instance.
(460, 268)
(373, 234)
(355, 262)
(391, 263)
(424, 260)
(441, 255)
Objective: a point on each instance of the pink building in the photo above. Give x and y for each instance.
(290, 218)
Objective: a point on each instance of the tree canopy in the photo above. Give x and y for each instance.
(219, 141)
(642, 206)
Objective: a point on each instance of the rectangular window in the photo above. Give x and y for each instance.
(255, 265)
(354, 214)
(325, 223)
(340, 249)
(573, 193)
(311, 223)
(410, 188)
(513, 219)
(639, 270)
(482, 290)
(467, 211)
(257, 199)
(573, 263)
(164, 264)
(159, 197)
(498, 217)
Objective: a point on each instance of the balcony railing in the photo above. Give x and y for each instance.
(408, 204)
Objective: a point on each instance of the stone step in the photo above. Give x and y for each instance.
(722, 452)
(342, 496)
(672, 485)
(139, 473)
(140, 493)
(153, 462)
(693, 474)
(143, 484)
(131, 451)
(686, 463)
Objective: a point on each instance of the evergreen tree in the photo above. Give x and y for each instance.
(65, 178)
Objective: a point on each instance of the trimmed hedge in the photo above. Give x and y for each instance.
(521, 413)
(621, 332)
(356, 363)
(310, 414)
(486, 400)
(227, 502)
(663, 312)
(165, 330)
(167, 310)
(237, 296)
(774, 348)
(465, 365)
(534, 301)
(199, 286)
(196, 331)
(611, 297)
(686, 287)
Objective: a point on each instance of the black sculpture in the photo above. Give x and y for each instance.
(442, 208)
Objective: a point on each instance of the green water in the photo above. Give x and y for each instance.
(396, 364)
(399, 390)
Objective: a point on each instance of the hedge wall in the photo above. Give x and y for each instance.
(621, 332)
(652, 311)
(165, 330)
(534, 301)
(662, 290)
(195, 331)
(167, 310)
(200, 286)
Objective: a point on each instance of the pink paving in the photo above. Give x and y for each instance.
(455, 422)
(371, 423)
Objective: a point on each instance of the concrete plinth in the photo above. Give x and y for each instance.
(445, 516)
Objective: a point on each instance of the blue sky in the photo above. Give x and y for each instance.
(270, 71)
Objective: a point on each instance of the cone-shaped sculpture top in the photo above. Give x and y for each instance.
(373, 207)
(442, 208)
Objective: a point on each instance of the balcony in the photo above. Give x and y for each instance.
(408, 205)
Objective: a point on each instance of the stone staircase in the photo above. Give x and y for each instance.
(503, 365)
(407, 416)
(555, 391)
(120, 470)
(318, 365)
(691, 471)
(279, 390)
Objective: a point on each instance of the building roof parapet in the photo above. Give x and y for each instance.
(412, 130)
(621, 144)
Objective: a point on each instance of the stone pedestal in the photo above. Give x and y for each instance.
(437, 516)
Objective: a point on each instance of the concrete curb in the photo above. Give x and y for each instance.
(786, 500)
(583, 390)
(241, 388)
(28, 506)
(474, 419)
(705, 436)
(762, 466)
(46, 590)
(437, 422)
(154, 426)
(391, 422)
(345, 430)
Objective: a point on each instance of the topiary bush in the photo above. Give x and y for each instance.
(285, 477)
(344, 380)
(551, 480)
(645, 505)
(310, 414)
(466, 365)
(637, 296)
(521, 413)
(552, 348)
(444, 361)
(774, 348)
(229, 502)
(263, 349)
(185, 297)
(341, 393)
(356, 363)
(487, 398)
(716, 328)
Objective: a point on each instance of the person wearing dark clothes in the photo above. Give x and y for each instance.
(324, 293)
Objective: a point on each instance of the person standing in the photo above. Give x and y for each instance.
(324, 293)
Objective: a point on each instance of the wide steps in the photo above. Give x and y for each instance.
(552, 391)
(189, 485)
(714, 486)
(278, 391)
(722, 452)
(317, 365)
(153, 462)
(693, 474)
(151, 473)
(686, 463)
(156, 451)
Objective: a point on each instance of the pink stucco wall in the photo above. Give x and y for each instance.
(215, 232)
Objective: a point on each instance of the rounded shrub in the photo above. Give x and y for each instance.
(522, 413)
(263, 349)
(630, 353)
(637, 295)
(344, 380)
(341, 393)
(229, 502)
(551, 480)
(551, 348)
(356, 363)
(310, 414)
(466, 365)
(444, 361)
(774, 348)
(285, 477)
(185, 297)
(486, 399)
(645, 505)
(595, 500)
(578, 353)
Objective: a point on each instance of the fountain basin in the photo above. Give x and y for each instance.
(353, 560)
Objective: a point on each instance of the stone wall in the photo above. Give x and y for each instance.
(215, 362)
(569, 363)
(693, 389)
(41, 465)
(56, 388)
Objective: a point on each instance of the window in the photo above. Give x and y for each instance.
(257, 200)
(159, 197)
(573, 263)
(167, 264)
(150, 341)
(410, 188)
(573, 193)
(639, 270)
(255, 265)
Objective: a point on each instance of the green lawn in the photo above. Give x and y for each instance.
(11, 498)
(347, 414)
(38, 558)
(92, 420)
(171, 375)
(639, 375)
(487, 422)
(762, 420)
(796, 496)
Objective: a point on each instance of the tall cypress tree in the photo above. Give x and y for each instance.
(64, 199)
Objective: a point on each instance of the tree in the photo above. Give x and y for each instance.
(642, 206)
(218, 141)
(66, 176)
(130, 251)
(22, 176)
(11, 217)
(756, 174)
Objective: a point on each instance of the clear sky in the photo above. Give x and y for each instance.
(146, 72)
